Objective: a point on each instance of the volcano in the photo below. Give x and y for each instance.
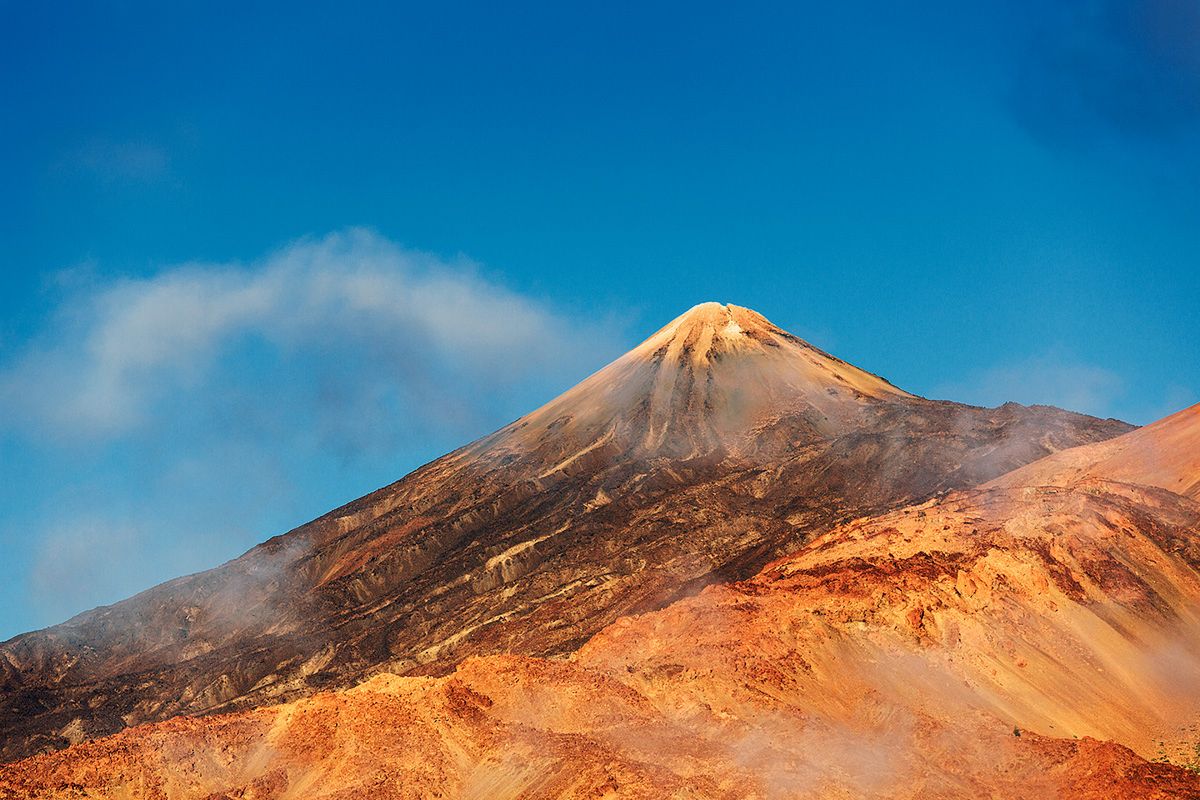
(1035, 637)
(719, 444)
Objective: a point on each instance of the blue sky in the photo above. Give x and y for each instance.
(257, 259)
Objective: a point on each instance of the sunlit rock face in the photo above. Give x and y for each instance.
(1018, 640)
(719, 444)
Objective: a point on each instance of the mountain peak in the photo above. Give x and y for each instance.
(718, 315)
(710, 380)
(711, 329)
(758, 350)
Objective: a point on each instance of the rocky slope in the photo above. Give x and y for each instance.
(509, 727)
(1009, 641)
(720, 443)
(1165, 454)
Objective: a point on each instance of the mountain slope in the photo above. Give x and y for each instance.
(1165, 454)
(1016, 641)
(718, 444)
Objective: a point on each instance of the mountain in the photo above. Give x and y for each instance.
(1165, 454)
(720, 443)
(1019, 639)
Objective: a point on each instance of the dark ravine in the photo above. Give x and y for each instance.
(719, 444)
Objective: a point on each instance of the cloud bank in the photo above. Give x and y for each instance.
(421, 335)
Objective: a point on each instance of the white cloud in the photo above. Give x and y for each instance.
(120, 353)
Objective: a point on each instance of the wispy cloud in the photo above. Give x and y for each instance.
(378, 325)
(1057, 378)
(1051, 378)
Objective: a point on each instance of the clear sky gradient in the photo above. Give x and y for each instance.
(257, 259)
